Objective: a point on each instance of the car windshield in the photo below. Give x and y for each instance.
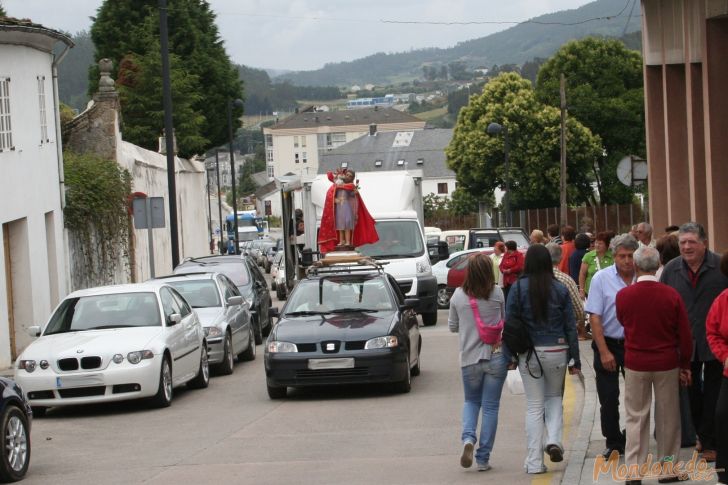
(231, 266)
(339, 295)
(105, 311)
(397, 239)
(517, 236)
(198, 293)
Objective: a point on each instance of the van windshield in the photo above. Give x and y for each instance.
(397, 239)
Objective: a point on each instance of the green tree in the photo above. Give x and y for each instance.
(463, 202)
(124, 28)
(533, 131)
(433, 204)
(604, 91)
(2, 11)
(140, 92)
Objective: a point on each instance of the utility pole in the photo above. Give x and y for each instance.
(219, 201)
(232, 173)
(168, 132)
(209, 209)
(563, 151)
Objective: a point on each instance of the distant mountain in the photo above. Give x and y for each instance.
(516, 45)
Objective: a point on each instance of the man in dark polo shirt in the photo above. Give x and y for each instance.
(657, 350)
(696, 275)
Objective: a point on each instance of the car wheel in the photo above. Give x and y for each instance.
(405, 384)
(163, 398)
(417, 369)
(15, 445)
(258, 333)
(281, 292)
(429, 319)
(225, 367)
(277, 392)
(267, 268)
(443, 299)
(249, 353)
(202, 379)
(273, 285)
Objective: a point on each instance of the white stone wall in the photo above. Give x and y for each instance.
(149, 175)
(29, 188)
(429, 186)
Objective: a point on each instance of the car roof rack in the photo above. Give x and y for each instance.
(362, 265)
(179, 275)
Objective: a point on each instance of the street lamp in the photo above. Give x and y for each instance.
(496, 129)
(238, 103)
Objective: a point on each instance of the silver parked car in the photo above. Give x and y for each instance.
(224, 315)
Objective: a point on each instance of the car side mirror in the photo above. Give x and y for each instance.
(34, 331)
(173, 319)
(409, 303)
(235, 300)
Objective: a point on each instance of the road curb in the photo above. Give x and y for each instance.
(580, 446)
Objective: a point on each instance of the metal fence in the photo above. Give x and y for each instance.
(617, 218)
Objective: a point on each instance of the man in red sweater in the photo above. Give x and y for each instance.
(568, 233)
(657, 350)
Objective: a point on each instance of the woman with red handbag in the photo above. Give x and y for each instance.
(476, 313)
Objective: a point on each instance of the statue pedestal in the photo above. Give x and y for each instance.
(335, 257)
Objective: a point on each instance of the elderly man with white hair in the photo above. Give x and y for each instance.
(657, 350)
(644, 235)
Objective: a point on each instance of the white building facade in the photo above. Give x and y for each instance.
(296, 144)
(32, 256)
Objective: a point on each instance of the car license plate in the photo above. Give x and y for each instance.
(79, 381)
(345, 363)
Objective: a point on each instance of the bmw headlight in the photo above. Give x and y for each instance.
(387, 342)
(423, 267)
(28, 365)
(139, 355)
(212, 332)
(276, 347)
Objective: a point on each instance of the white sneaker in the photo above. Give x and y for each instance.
(484, 467)
(466, 459)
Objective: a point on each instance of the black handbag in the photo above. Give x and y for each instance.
(517, 337)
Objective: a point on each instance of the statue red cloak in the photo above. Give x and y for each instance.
(364, 230)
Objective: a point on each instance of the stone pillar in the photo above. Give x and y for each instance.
(656, 156)
(676, 129)
(96, 129)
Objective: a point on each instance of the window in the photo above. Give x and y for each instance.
(377, 163)
(303, 142)
(400, 162)
(182, 303)
(169, 304)
(442, 188)
(295, 142)
(269, 141)
(344, 164)
(335, 140)
(295, 157)
(304, 157)
(42, 106)
(270, 170)
(6, 133)
(420, 161)
(269, 156)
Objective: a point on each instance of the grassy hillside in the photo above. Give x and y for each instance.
(515, 45)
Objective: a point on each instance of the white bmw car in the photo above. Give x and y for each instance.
(115, 343)
(440, 270)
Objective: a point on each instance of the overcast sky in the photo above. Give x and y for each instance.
(305, 34)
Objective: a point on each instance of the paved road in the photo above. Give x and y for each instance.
(232, 433)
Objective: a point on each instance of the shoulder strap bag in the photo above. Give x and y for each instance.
(489, 334)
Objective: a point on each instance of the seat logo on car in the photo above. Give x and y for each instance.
(79, 351)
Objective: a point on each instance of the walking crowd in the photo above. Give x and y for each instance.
(656, 312)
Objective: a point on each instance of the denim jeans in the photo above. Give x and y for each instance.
(483, 383)
(544, 403)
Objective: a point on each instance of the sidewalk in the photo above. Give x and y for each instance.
(590, 442)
